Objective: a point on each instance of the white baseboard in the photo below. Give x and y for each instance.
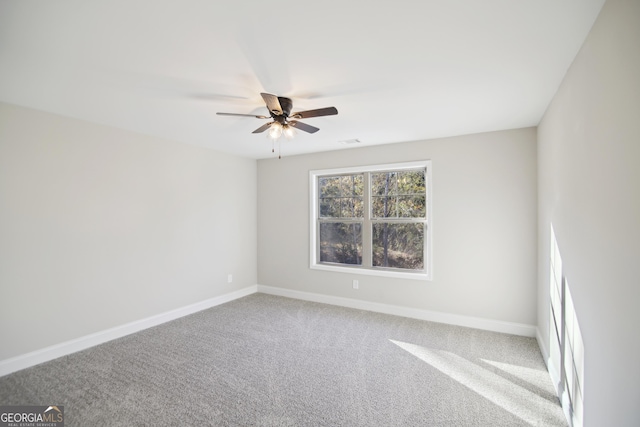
(433, 316)
(17, 363)
(543, 347)
(27, 360)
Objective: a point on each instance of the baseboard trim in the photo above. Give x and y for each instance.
(33, 358)
(432, 316)
(543, 347)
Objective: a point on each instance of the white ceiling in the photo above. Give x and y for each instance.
(396, 71)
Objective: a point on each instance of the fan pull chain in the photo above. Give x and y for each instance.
(279, 150)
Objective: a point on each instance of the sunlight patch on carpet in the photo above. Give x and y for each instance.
(513, 398)
(538, 378)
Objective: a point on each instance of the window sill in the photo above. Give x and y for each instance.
(373, 272)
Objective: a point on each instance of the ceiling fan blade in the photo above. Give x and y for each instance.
(273, 104)
(329, 111)
(263, 128)
(303, 126)
(242, 115)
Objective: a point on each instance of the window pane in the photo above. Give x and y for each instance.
(384, 207)
(341, 242)
(398, 245)
(399, 207)
(411, 182)
(329, 186)
(341, 196)
(330, 208)
(351, 185)
(383, 183)
(352, 208)
(412, 207)
(399, 194)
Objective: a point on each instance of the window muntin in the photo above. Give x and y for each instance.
(398, 194)
(341, 196)
(372, 219)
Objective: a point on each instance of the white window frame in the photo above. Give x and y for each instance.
(426, 274)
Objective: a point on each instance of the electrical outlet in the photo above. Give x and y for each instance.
(229, 278)
(355, 284)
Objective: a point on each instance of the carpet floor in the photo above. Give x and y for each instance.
(264, 360)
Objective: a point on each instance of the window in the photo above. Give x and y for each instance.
(372, 220)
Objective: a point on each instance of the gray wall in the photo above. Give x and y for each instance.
(589, 189)
(484, 226)
(100, 227)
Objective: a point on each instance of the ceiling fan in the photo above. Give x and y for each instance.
(283, 121)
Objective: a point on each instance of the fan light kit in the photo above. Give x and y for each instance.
(285, 123)
(276, 130)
